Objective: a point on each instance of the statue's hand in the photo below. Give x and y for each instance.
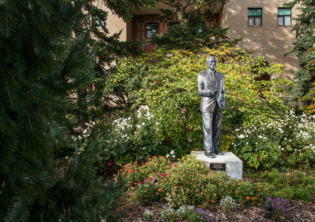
(213, 93)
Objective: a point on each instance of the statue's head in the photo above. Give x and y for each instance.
(211, 62)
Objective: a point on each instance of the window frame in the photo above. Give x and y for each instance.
(282, 16)
(146, 30)
(254, 16)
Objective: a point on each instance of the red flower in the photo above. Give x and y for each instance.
(155, 172)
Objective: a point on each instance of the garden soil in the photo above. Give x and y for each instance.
(301, 211)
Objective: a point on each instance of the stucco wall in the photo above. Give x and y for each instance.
(272, 40)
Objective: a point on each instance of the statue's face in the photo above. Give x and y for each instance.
(211, 63)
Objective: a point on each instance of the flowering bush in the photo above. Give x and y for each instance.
(184, 211)
(169, 215)
(269, 143)
(227, 203)
(147, 214)
(187, 182)
(132, 138)
(281, 207)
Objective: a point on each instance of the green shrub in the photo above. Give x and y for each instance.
(165, 81)
(285, 193)
(302, 194)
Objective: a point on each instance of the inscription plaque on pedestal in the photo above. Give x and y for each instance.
(218, 166)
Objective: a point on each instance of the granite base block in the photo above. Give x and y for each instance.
(233, 165)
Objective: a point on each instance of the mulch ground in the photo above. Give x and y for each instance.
(300, 210)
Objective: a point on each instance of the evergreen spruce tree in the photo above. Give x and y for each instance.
(109, 49)
(192, 33)
(45, 58)
(305, 38)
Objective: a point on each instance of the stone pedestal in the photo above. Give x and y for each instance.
(227, 162)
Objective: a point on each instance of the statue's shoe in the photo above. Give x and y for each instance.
(219, 153)
(209, 154)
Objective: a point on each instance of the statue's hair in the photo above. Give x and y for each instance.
(209, 58)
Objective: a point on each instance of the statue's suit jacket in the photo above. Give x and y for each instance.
(205, 83)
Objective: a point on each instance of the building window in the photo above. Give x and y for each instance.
(284, 16)
(152, 29)
(254, 17)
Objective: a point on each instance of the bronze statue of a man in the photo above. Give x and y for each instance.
(211, 88)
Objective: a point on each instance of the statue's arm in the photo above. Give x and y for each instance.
(201, 90)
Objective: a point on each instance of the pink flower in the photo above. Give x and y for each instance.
(130, 184)
(135, 183)
(155, 172)
(140, 182)
(225, 172)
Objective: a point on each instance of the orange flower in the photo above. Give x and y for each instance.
(212, 201)
(160, 189)
(258, 189)
(258, 186)
(261, 201)
(241, 183)
(253, 198)
(127, 177)
(236, 192)
(181, 187)
(172, 188)
(252, 203)
(205, 177)
(247, 198)
(201, 193)
(157, 193)
(214, 195)
(171, 179)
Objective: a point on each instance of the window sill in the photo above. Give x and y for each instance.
(254, 26)
(285, 26)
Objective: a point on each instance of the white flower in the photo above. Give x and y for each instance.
(143, 148)
(138, 126)
(279, 146)
(172, 152)
(241, 136)
(285, 138)
(157, 123)
(75, 139)
(84, 131)
(129, 118)
(299, 150)
(128, 137)
(148, 118)
(143, 123)
(66, 157)
(105, 150)
(247, 143)
(107, 130)
(115, 140)
(173, 156)
(167, 155)
(93, 123)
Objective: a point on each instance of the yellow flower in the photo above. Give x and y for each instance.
(214, 195)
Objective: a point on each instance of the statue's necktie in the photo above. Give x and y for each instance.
(212, 75)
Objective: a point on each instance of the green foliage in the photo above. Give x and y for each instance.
(165, 81)
(288, 185)
(187, 182)
(45, 60)
(304, 29)
(284, 142)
